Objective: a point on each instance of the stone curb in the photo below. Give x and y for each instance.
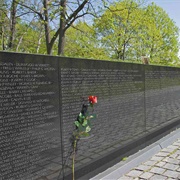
(136, 159)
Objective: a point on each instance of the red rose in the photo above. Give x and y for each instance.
(92, 99)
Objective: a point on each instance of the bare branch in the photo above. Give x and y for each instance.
(74, 14)
(33, 10)
(93, 8)
(24, 14)
(71, 22)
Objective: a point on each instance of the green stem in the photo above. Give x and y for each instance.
(73, 158)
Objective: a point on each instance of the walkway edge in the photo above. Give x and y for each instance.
(136, 159)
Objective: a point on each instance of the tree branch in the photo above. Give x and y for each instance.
(71, 22)
(33, 10)
(74, 14)
(23, 14)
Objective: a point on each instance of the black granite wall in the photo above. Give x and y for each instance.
(40, 97)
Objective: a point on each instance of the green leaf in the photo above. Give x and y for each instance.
(81, 128)
(88, 123)
(80, 120)
(77, 123)
(81, 116)
(84, 123)
(88, 129)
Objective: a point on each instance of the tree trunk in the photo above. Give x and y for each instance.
(124, 51)
(39, 43)
(151, 52)
(61, 43)
(46, 27)
(12, 24)
(3, 43)
(19, 42)
(62, 28)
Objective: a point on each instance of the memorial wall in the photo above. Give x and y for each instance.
(29, 116)
(41, 96)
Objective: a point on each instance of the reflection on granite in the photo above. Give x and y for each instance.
(41, 98)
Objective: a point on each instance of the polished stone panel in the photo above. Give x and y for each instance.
(120, 108)
(41, 96)
(30, 139)
(162, 95)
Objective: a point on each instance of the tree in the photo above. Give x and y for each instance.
(163, 37)
(81, 41)
(129, 31)
(117, 27)
(3, 24)
(13, 19)
(48, 12)
(10, 17)
(30, 38)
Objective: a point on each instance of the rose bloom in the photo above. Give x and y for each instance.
(92, 99)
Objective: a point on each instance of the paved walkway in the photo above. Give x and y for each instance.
(164, 165)
(159, 161)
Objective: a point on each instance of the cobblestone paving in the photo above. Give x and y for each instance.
(164, 165)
